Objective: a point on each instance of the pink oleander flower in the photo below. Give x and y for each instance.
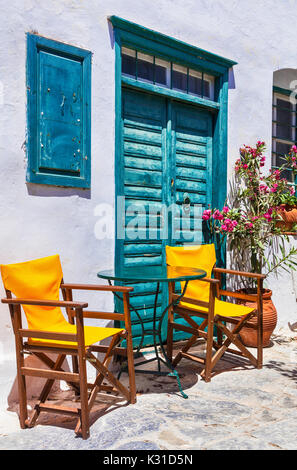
(263, 188)
(294, 149)
(217, 215)
(206, 214)
(292, 190)
(225, 210)
(245, 166)
(274, 188)
(224, 227)
(268, 217)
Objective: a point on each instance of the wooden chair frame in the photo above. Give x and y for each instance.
(211, 320)
(77, 379)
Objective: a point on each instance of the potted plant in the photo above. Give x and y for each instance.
(287, 212)
(249, 223)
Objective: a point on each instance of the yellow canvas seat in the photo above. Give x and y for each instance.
(202, 299)
(41, 279)
(222, 308)
(93, 334)
(36, 285)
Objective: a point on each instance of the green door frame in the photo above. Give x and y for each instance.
(145, 40)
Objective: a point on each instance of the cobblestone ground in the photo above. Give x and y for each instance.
(241, 408)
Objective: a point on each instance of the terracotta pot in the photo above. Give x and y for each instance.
(249, 335)
(289, 216)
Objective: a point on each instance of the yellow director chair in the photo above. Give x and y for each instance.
(203, 299)
(36, 284)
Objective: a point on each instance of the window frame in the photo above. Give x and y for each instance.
(134, 36)
(282, 93)
(36, 43)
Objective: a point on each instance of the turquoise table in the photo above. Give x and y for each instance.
(155, 274)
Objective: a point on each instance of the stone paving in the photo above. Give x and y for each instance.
(241, 408)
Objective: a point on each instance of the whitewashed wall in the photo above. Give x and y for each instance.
(37, 220)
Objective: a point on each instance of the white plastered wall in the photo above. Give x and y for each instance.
(37, 220)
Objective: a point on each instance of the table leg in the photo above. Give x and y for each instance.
(157, 333)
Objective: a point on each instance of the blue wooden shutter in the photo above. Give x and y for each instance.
(59, 134)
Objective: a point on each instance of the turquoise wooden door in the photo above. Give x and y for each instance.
(191, 189)
(166, 163)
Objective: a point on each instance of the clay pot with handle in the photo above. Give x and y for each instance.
(249, 335)
(289, 215)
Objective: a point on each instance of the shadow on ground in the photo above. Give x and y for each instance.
(145, 384)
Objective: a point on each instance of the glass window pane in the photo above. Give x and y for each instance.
(284, 116)
(284, 132)
(208, 87)
(195, 82)
(162, 72)
(145, 67)
(284, 103)
(128, 62)
(179, 78)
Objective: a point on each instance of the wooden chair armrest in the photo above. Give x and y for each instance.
(239, 273)
(124, 289)
(45, 303)
(210, 280)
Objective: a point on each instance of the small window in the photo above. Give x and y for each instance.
(283, 130)
(179, 78)
(145, 67)
(195, 82)
(152, 69)
(162, 72)
(128, 62)
(59, 113)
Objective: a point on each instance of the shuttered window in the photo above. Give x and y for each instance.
(59, 114)
(284, 127)
(152, 69)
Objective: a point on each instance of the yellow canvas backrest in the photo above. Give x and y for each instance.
(39, 279)
(193, 256)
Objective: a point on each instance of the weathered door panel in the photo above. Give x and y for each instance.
(60, 81)
(144, 148)
(166, 158)
(192, 176)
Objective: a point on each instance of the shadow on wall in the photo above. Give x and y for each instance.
(41, 190)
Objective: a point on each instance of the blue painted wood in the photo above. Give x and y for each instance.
(200, 169)
(163, 142)
(188, 98)
(150, 41)
(59, 113)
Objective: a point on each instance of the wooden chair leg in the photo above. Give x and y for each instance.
(206, 374)
(169, 342)
(130, 357)
(23, 411)
(131, 370)
(83, 386)
(219, 337)
(21, 379)
(209, 346)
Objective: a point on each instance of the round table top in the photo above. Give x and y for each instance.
(153, 274)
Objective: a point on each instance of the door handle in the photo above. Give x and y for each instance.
(187, 200)
(186, 203)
